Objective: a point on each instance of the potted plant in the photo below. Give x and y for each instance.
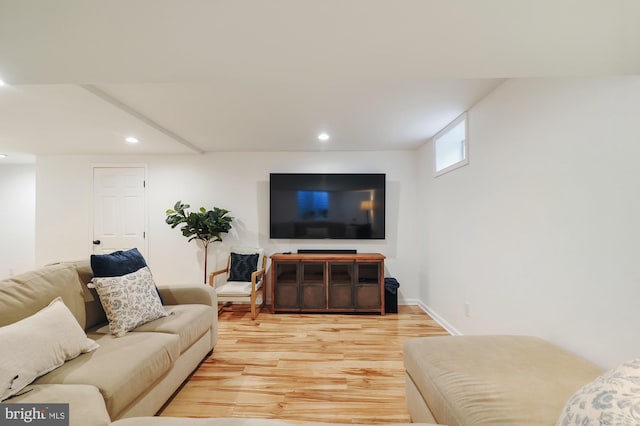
(204, 225)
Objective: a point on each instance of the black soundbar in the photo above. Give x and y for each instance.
(327, 251)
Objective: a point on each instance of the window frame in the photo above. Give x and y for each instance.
(462, 117)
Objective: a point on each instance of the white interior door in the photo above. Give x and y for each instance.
(118, 209)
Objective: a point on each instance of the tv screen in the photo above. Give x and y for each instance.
(327, 206)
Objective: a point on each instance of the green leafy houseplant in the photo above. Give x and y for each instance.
(204, 225)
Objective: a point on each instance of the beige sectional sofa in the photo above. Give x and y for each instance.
(492, 380)
(127, 376)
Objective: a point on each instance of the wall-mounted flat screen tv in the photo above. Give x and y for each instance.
(327, 205)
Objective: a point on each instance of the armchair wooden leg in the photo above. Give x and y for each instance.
(253, 305)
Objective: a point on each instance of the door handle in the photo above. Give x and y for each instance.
(96, 242)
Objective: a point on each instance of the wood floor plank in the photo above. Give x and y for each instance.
(306, 368)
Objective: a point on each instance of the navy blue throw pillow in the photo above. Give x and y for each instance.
(242, 266)
(117, 264)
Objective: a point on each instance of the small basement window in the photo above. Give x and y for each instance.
(450, 146)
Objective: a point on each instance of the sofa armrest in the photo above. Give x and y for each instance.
(188, 294)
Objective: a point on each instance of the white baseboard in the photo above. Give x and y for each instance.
(433, 314)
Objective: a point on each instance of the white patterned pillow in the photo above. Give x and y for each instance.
(611, 399)
(129, 301)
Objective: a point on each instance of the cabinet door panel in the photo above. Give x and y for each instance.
(341, 273)
(313, 297)
(312, 273)
(312, 285)
(367, 287)
(340, 296)
(341, 285)
(286, 272)
(286, 296)
(367, 296)
(368, 273)
(286, 292)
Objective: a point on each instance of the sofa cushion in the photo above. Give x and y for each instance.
(494, 380)
(123, 368)
(86, 406)
(129, 301)
(38, 344)
(25, 294)
(189, 322)
(93, 308)
(236, 289)
(612, 399)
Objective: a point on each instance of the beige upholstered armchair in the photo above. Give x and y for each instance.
(245, 279)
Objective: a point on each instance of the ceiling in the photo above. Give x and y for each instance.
(195, 76)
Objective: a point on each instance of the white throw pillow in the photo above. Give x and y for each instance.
(611, 399)
(129, 301)
(38, 344)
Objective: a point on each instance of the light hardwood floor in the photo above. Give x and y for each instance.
(320, 367)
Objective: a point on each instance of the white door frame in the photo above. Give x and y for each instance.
(93, 166)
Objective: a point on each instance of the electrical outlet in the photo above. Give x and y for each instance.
(467, 309)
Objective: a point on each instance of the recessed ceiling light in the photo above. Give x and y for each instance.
(3, 155)
(132, 139)
(323, 137)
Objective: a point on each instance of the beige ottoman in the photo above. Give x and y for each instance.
(491, 380)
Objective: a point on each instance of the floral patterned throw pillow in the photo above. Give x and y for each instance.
(611, 399)
(129, 300)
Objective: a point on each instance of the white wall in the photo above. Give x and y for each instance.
(17, 218)
(236, 181)
(540, 233)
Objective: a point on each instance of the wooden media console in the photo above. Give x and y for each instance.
(323, 283)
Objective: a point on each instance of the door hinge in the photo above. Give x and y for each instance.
(144, 235)
(144, 183)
